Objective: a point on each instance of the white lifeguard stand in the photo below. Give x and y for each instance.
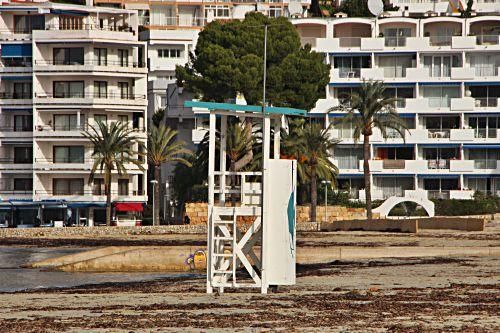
(266, 250)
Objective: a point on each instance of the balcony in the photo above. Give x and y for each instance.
(16, 132)
(395, 41)
(438, 133)
(15, 65)
(15, 164)
(485, 164)
(87, 194)
(487, 40)
(437, 194)
(83, 98)
(440, 40)
(393, 164)
(461, 166)
(63, 164)
(9, 192)
(439, 164)
(486, 102)
(15, 98)
(90, 65)
(60, 131)
(54, 32)
(186, 21)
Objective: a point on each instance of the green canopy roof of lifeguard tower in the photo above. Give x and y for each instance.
(245, 108)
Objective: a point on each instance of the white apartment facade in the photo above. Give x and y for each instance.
(445, 72)
(62, 68)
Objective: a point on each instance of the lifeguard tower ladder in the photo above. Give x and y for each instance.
(266, 250)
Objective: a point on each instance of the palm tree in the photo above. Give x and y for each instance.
(369, 107)
(112, 151)
(311, 146)
(163, 147)
(316, 146)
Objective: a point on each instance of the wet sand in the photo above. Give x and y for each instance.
(450, 294)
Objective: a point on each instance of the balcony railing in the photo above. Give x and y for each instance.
(64, 128)
(486, 70)
(487, 39)
(438, 164)
(88, 192)
(90, 62)
(79, 160)
(349, 72)
(395, 41)
(483, 133)
(93, 27)
(15, 95)
(348, 163)
(10, 160)
(177, 21)
(12, 190)
(440, 40)
(349, 41)
(393, 164)
(16, 128)
(438, 102)
(439, 133)
(435, 194)
(16, 62)
(486, 102)
(485, 164)
(102, 95)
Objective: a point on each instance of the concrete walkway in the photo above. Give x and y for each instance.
(189, 258)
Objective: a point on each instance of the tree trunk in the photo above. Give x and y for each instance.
(108, 200)
(315, 8)
(156, 189)
(232, 168)
(366, 170)
(314, 195)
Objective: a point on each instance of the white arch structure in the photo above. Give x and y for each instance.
(385, 208)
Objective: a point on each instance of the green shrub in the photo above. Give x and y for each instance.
(480, 205)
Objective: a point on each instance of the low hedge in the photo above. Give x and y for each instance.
(480, 205)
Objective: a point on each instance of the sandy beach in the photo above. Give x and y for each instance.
(432, 294)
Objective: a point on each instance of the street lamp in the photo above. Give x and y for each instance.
(326, 183)
(154, 182)
(166, 203)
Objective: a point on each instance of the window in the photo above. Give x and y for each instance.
(100, 57)
(485, 64)
(275, 11)
(68, 56)
(100, 89)
(400, 93)
(440, 96)
(98, 187)
(122, 186)
(22, 90)
(217, 11)
(440, 66)
(23, 155)
(68, 89)
(351, 66)
(485, 127)
(68, 122)
(23, 184)
(347, 158)
(395, 37)
(485, 96)
(395, 66)
(124, 90)
(100, 118)
(123, 56)
(69, 154)
(67, 186)
(25, 24)
(484, 158)
(169, 53)
(23, 123)
(123, 119)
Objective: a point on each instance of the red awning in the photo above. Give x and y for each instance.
(129, 207)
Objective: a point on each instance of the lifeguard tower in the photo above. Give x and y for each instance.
(266, 250)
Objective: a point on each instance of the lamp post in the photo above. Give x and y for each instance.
(326, 183)
(154, 182)
(166, 216)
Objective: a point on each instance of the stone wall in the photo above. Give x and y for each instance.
(198, 213)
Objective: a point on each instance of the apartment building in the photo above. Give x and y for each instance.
(62, 68)
(445, 73)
